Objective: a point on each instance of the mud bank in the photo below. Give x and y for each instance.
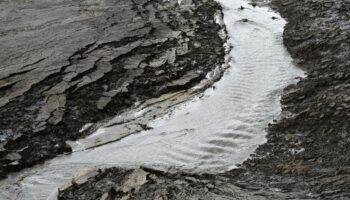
(307, 152)
(68, 64)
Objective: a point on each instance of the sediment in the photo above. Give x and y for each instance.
(307, 154)
(69, 63)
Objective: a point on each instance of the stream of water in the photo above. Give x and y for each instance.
(210, 133)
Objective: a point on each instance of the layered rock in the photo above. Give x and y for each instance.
(69, 63)
(308, 150)
(143, 183)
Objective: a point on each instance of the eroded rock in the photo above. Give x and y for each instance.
(156, 185)
(68, 64)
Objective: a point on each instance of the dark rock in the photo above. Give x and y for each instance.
(115, 183)
(58, 75)
(316, 36)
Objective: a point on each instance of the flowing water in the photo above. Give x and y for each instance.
(210, 133)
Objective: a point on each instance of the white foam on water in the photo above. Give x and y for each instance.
(212, 133)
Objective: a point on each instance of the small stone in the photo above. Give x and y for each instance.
(83, 176)
(180, 182)
(13, 156)
(332, 104)
(5, 134)
(210, 186)
(15, 163)
(197, 44)
(102, 102)
(133, 182)
(105, 196)
(159, 72)
(347, 99)
(301, 97)
(345, 105)
(65, 187)
(192, 179)
(14, 166)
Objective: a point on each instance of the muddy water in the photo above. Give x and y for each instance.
(211, 133)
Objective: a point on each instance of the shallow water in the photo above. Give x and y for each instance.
(211, 133)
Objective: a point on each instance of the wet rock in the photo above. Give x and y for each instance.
(6, 134)
(59, 73)
(65, 187)
(152, 184)
(133, 182)
(83, 175)
(14, 166)
(105, 196)
(314, 36)
(13, 156)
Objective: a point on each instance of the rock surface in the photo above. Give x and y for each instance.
(70, 63)
(148, 184)
(309, 149)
